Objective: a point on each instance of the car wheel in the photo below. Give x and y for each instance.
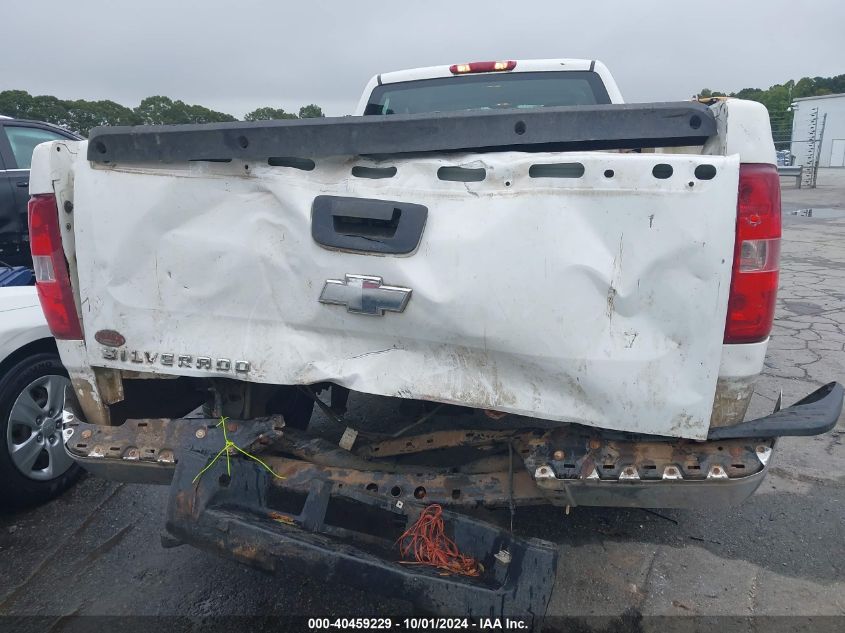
(34, 466)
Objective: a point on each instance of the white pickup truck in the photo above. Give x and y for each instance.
(500, 284)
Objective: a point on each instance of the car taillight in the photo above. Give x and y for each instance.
(481, 67)
(754, 284)
(51, 273)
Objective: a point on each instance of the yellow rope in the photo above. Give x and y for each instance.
(229, 445)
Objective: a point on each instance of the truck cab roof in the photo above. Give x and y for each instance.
(513, 66)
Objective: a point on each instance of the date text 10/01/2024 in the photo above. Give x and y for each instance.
(482, 624)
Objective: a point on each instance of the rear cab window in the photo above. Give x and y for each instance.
(488, 91)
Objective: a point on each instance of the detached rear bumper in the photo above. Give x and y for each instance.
(341, 520)
(568, 466)
(349, 536)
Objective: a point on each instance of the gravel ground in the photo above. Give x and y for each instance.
(96, 550)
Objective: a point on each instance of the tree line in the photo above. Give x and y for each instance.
(80, 115)
(778, 99)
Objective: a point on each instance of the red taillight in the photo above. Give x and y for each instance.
(754, 284)
(51, 274)
(481, 67)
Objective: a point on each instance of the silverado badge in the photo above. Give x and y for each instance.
(363, 294)
(169, 359)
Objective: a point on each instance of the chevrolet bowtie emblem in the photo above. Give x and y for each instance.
(362, 294)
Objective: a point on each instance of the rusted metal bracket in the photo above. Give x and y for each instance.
(147, 451)
(434, 441)
(448, 489)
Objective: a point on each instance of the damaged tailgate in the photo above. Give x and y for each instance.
(585, 287)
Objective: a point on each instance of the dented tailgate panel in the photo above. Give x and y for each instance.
(597, 299)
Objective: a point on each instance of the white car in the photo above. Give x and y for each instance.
(34, 466)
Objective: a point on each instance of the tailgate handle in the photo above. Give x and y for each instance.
(367, 225)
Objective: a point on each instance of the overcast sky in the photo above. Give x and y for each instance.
(234, 56)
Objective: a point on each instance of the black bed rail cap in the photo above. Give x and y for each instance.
(569, 128)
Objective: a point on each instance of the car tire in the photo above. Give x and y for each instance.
(31, 401)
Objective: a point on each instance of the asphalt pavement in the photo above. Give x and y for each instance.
(96, 550)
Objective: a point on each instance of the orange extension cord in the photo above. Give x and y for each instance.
(426, 539)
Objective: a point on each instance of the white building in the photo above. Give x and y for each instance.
(831, 153)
